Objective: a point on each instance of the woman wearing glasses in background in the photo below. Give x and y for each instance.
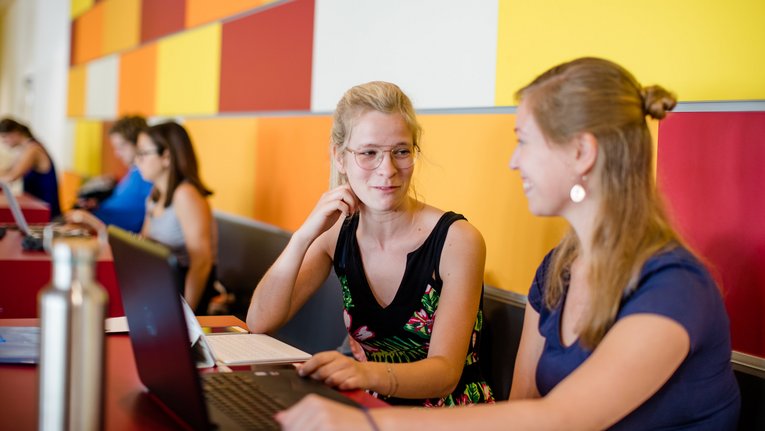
(177, 212)
(398, 260)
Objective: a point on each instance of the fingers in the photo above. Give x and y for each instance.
(334, 369)
(316, 413)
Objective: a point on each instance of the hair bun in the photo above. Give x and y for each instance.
(657, 101)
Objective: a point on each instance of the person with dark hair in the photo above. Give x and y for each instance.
(177, 212)
(411, 274)
(126, 205)
(33, 164)
(625, 328)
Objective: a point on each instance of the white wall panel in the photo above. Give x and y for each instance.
(102, 87)
(441, 52)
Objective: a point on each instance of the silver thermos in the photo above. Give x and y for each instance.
(72, 312)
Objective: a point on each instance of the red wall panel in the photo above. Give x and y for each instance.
(161, 17)
(711, 168)
(266, 59)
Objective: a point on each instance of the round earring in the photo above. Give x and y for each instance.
(577, 193)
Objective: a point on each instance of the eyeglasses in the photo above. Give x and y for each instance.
(140, 154)
(371, 158)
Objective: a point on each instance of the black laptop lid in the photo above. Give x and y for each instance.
(148, 278)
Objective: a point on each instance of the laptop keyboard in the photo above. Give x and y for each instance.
(238, 396)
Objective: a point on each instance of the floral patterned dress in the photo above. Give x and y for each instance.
(400, 332)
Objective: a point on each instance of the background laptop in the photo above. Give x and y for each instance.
(18, 215)
(149, 281)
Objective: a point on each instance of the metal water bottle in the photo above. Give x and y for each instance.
(72, 312)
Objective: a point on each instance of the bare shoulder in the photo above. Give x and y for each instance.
(327, 241)
(187, 194)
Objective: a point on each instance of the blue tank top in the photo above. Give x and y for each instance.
(44, 187)
(702, 394)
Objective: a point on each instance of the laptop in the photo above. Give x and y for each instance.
(241, 400)
(18, 215)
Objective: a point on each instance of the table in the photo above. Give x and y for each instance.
(24, 273)
(34, 209)
(126, 405)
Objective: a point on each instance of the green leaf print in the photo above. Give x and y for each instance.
(430, 300)
(347, 302)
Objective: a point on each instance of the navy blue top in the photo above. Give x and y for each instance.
(702, 394)
(44, 187)
(126, 206)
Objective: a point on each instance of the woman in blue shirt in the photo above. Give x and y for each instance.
(126, 206)
(33, 164)
(625, 328)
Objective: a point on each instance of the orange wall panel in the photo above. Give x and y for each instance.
(204, 11)
(292, 168)
(464, 168)
(88, 35)
(122, 25)
(76, 94)
(138, 80)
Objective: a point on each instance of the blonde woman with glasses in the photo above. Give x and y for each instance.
(411, 274)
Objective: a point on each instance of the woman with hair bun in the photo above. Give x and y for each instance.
(624, 328)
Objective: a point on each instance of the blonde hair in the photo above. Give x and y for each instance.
(373, 96)
(596, 96)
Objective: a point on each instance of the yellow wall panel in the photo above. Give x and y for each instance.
(79, 7)
(88, 35)
(188, 72)
(88, 140)
(76, 92)
(138, 81)
(204, 11)
(701, 49)
(464, 168)
(122, 25)
(226, 150)
(292, 168)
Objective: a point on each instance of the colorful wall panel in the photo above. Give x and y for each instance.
(88, 147)
(138, 81)
(87, 35)
(266, 60)
(711, 170)
(441, 52)
(76, 94)
(227, 153)
(204, 11)
(464, 168)
(102, 87)
(188, 72)
(121, 25)
(702, 50)
(161, 17)
(291, 169)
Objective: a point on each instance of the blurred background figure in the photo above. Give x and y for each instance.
(32, 164)
(177, 212)
(123, 205)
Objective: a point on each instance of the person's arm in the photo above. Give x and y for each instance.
(637, 356)
(195, 217)
(303, 265)
(461, 267)
(25, 162)
(529, 351)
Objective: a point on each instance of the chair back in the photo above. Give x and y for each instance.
(503, 313)
(246, 250)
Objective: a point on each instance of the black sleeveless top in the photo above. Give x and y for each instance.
(400, 332)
